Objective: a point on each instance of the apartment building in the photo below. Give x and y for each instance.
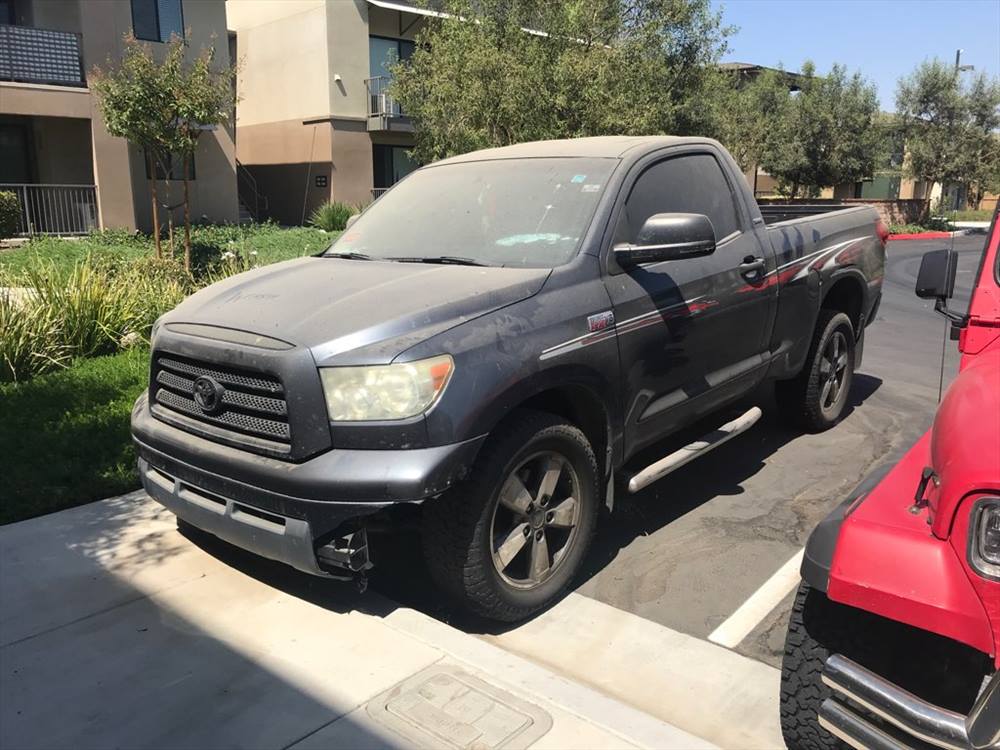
(55, 153)
(315, 121)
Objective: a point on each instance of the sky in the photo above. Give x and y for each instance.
(884, 39)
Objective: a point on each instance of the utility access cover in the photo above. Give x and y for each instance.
(446, 707)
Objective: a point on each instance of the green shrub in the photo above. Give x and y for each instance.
(30, 336)
(331, 217)
(10, 214)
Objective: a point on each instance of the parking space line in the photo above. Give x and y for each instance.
(750, 614)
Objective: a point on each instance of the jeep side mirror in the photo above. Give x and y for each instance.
(936, 278)
(351, 219)
(936, 281)
(668, 237)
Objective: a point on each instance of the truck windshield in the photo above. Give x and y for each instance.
(506, 212)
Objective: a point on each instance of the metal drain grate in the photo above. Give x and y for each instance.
(446, 707)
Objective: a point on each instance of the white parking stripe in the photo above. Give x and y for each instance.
(750, 614)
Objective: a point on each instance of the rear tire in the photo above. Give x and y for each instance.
(536, 474)
(816, 398)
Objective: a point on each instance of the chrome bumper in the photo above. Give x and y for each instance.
(915, 719)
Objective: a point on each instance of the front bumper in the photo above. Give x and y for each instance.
(914, 723)
(279, 509)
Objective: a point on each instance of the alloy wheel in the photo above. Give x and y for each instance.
(833, 370)
(535, 519)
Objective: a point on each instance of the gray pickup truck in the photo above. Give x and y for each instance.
(488, 347)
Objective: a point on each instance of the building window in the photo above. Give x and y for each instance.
(169, 166)
(384, 52)
(157, 20)
(391, 164)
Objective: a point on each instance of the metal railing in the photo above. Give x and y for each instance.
(32, 55)
(380, 102)
(54, 209)
(377, 193)
(249, 192)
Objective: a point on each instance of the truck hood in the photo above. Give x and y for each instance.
(356, 311)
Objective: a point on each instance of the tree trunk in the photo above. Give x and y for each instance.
(156, 212)
(187, 218)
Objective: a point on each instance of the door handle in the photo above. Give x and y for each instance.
(751, 266)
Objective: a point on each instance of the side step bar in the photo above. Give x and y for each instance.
(693, 450)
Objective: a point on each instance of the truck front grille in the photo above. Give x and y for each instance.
(237, 406)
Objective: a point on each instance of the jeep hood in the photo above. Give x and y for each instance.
(356, 311)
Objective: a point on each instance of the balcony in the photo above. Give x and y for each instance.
(384, 113)
(32, 55)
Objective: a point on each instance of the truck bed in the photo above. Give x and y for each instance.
(776, 213)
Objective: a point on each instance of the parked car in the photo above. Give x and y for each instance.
(492, 342)
(894, 635)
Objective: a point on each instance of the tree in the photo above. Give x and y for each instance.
(950, 127)
(495, 72)
(135, 105)
(203, 98)
(829, 133)
(748, 114)
(162, 106)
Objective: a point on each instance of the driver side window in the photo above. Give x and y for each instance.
(693, 184)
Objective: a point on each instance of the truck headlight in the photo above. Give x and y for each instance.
(384, 392)
(984, 541)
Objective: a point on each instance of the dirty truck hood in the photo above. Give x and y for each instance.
(356, 311)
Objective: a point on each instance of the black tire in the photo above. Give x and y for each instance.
(805, 400)
(816, 624)
(457, 539)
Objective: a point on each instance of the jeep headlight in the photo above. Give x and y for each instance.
(384, 392)
(984, 542)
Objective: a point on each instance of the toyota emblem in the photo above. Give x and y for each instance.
(208, 394)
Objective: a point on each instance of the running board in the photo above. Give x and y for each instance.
(693, 450)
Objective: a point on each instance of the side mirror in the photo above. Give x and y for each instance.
(936, 278)
(936, 281)
(668, 237)
(350, 220)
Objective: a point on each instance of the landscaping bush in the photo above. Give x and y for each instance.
(331, 217)
(29, 337)
(65, 435)
(10, 214)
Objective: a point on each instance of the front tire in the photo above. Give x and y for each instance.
(509, 540)
(815, 625)
(815, 400)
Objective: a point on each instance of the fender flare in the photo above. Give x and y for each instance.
(822, 544)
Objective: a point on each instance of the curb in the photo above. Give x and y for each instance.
(526, 677)
(923, 236)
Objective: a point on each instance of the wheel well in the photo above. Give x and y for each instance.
(846, 296)
(578, 405)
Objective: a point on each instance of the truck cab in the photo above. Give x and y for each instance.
(894, 639)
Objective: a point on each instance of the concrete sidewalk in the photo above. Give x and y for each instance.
(117, 631)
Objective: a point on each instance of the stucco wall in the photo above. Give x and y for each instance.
(284, 63)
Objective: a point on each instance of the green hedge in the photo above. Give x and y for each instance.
(10, 214)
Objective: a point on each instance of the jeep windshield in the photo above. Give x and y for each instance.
(505, 212)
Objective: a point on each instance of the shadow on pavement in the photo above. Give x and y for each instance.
(91, 659)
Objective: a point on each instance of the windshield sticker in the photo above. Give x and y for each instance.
(592, 187)
(579, 177)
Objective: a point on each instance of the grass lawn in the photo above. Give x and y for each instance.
(270, 242)
(977, 215)
(64, 437)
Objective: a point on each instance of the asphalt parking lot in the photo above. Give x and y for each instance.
(687, 552)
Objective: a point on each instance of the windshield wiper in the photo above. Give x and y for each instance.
(348, 256)
(454, 260)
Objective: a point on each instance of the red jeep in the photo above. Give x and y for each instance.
(894, 638)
